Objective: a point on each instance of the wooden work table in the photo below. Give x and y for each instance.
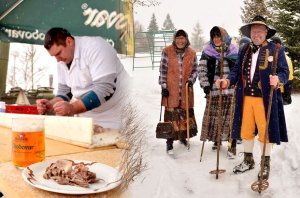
(13, 185)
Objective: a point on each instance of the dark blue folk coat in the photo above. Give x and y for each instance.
(277, 125)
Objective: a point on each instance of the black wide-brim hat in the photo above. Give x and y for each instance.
(257, 20)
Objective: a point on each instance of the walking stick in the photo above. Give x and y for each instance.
(231, 118)
(217, 171)
(262, 184)
(187, 115)
(206, 123)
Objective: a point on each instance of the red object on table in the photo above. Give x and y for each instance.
(22, 109)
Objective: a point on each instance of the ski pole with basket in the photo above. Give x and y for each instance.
(206, 124)
(218, 171)
(187, 115)
(262, 184)
(230, 142)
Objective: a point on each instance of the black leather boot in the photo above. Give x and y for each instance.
(246, 165)
(231, 153)
(169, 144)
(266, 169)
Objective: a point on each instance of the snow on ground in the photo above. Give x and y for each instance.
(185, 176)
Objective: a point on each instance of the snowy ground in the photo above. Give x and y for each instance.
(185, 176)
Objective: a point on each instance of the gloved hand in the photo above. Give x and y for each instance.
(190, 83)
(165, 92)
(206, 90)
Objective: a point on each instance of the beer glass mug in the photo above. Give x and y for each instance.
(28, 141)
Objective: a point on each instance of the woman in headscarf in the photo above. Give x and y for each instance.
(209, 70)
(178, 66)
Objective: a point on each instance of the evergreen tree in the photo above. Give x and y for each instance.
(197, 39)
(153, 24)
(286, 21)
(140, 38)
(168, 23)
(138, 27)
(252, 8)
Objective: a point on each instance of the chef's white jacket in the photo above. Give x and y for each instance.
(96, 67)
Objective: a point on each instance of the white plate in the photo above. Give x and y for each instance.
(33, 175)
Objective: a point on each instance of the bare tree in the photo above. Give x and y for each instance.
(30, 72)
(147, 3)
(11, 75)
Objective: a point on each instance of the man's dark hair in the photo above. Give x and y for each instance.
(276, 39)
(56, 36)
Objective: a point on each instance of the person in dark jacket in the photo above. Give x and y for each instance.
(286, 90)
(243, 41)
(253, 75)
(210, 65)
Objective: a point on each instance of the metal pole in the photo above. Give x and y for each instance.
(15, 54)
(207, 122)
(263, 184)
(187, 114)
(217, 171)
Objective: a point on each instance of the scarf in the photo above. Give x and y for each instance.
(230, 53)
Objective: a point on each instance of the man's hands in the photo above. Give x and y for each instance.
(44, 106)
(274, 81)
(63, 108)
(222, 83)
(60, 107)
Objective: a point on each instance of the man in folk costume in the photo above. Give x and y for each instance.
(253, 77)
(178, 66)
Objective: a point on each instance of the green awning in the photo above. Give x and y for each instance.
(26, 21)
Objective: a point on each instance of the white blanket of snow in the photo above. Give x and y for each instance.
(185, 176)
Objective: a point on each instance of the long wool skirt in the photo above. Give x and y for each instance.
(210, 120)
(179, 120)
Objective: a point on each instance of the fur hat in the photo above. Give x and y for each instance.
(257, 20)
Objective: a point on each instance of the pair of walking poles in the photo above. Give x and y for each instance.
(261, 184)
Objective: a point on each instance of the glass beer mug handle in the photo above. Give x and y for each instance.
(28, 141)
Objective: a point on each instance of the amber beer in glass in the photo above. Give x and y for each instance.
(28, 141)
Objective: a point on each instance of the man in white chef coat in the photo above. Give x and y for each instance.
(91, 79)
